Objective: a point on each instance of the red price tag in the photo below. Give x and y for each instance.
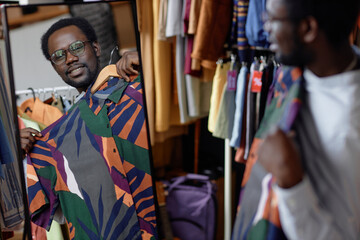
(256, 82)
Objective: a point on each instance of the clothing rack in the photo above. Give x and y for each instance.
(227, 171)
(44, 90)
(66, 92)
(227, 191)
(261, 54)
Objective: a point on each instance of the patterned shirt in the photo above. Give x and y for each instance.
(258, 214)
(324, 205)
(94, 164)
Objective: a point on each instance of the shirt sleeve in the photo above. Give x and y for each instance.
(301, 214)
(41, 176)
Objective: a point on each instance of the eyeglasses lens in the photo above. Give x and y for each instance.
(75, 48)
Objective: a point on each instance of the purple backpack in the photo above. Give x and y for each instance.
(192, 208)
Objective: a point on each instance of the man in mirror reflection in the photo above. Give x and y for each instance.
(87, 61)
(305, 174)
(95, 169)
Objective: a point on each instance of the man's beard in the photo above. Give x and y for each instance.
(91, 76)
(299, 56)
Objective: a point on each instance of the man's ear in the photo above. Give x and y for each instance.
(97, 48)
(308, 29)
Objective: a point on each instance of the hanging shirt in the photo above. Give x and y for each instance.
(212, 30)
(255, 33)
(225, 117)
(174, 28)
(40, 111)
(250, 110)
(174, 18)
(239, 110)
(218, 84)
(266, 80)
(162, 53)
(30, 124)
(35, 124)
(94, 164)
(162, 20)
(194, 16)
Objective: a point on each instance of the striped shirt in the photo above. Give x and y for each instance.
(94, 164)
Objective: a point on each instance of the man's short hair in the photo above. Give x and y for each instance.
(79, 22)
(336, 18)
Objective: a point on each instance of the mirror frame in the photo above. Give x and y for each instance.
(10, 78)
(6, 31)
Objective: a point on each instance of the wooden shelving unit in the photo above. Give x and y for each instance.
(16, 18)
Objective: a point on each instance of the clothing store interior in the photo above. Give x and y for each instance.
(183, 97)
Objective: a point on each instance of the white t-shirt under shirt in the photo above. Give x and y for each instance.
(326, 204)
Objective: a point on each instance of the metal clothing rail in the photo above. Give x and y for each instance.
(227, 191)
(44, 90)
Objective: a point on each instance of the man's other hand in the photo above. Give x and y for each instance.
(128, 65)
(279, 156)
(27, 138)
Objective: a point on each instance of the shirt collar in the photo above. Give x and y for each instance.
(111, 90)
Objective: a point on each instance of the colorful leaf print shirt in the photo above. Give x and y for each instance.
(94, 164)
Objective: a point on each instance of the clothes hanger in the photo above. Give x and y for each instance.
(107, 72)
(112, 53)
(221, 61)
(55, 94)
(44, 94)
(33, 92)
(104, 75)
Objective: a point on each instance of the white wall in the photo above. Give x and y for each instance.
(31, 69)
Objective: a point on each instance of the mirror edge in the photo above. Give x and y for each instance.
(6, 30)
(27, 224)
(138, 47)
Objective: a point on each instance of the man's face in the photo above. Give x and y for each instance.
(77, 71)
(283, 35)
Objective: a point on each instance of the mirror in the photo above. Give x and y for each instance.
(90, 171)
(12, 183)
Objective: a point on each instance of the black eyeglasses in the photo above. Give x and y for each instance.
(76, 48)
